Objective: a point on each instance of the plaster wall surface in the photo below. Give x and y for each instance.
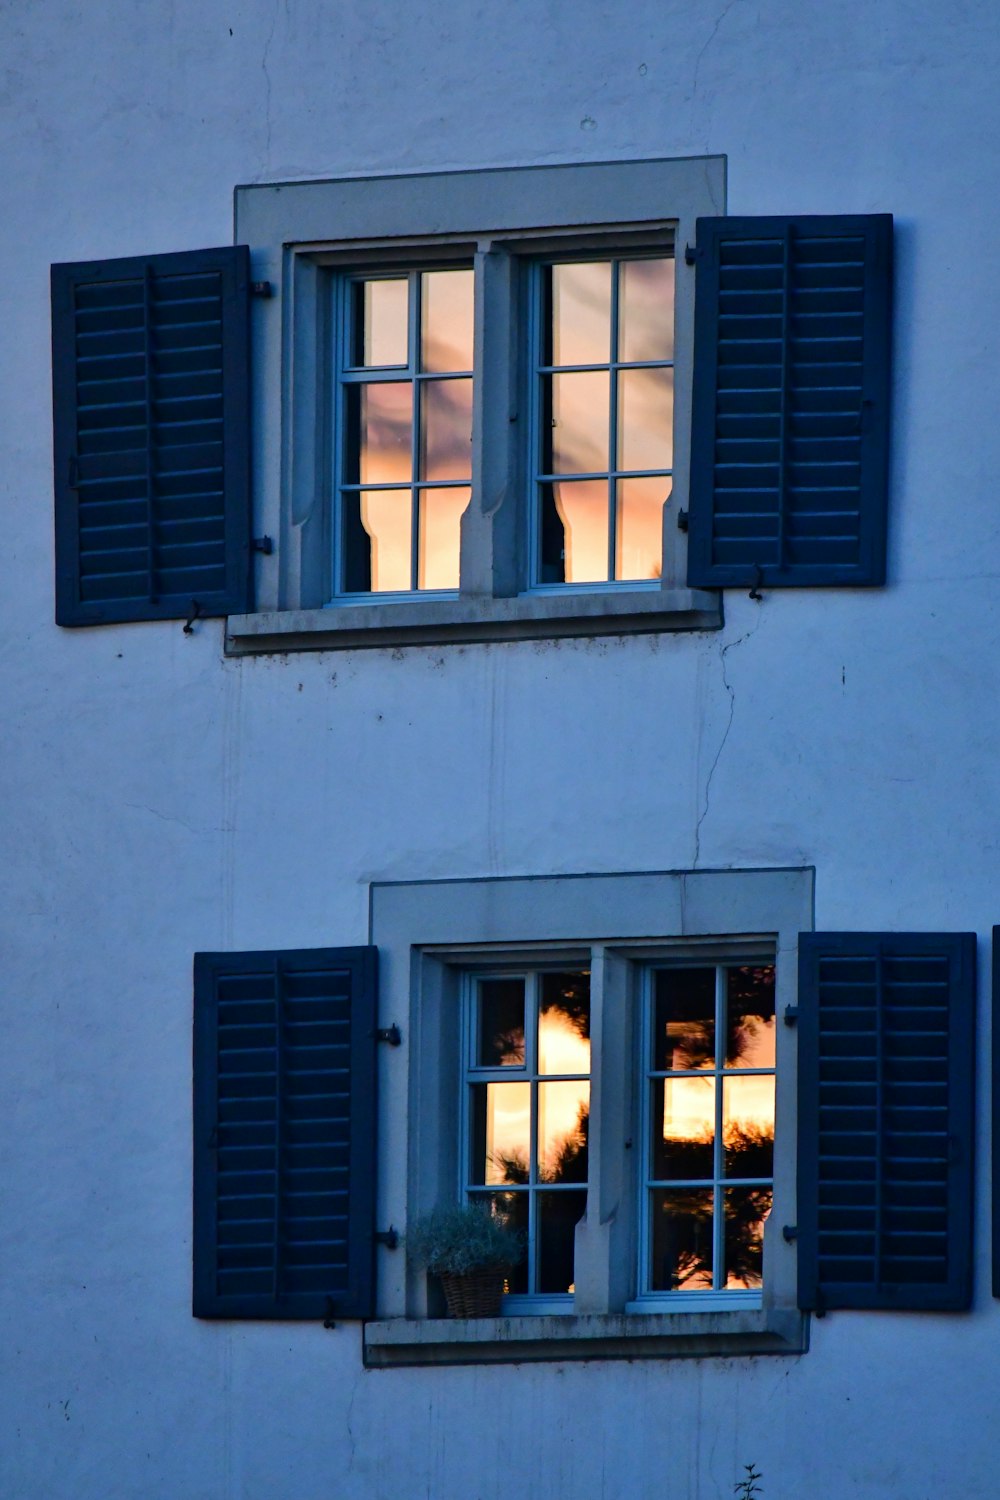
(161, 799)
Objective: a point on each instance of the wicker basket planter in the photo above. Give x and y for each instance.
(473, 1294)
(471, 1250)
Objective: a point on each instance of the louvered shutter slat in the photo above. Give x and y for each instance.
(284, 1133)
(886, 1082)
(789, 454)
(151, 413)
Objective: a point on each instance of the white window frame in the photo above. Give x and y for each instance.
(429, 935)
(501, 220)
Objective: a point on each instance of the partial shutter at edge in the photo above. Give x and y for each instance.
(886, 1075)
(790, 422)
(995, 1184)
(284, 1133)
(151, 405)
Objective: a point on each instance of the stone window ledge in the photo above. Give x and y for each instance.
(434, 622)
(515, 1340)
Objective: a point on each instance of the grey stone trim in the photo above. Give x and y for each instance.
(428, 933)
(464, 1341)
(433, 622)
(497, 219)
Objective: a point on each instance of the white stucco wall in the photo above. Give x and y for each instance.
(159, 799)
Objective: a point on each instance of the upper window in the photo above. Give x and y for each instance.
(487, 383)
(505, 404)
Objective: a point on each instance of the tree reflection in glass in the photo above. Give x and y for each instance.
(528, 1134)
(710, 1146)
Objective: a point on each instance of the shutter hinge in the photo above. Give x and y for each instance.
(791, 1015)
(682, 520)
(387, 1237)
(789, 1232)
(390, 1034)
(262, 289)
(262, 544)
(690, 255)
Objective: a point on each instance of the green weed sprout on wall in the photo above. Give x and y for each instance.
(748, 1486)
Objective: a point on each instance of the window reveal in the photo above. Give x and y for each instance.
(405, 405)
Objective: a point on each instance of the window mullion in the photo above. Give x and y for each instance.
(531, 1059)
(613, 423)
(414, 315)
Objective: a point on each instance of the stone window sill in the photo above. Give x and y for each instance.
(464, 1341)
(433, 622)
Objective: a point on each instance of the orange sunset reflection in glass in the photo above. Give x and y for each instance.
(410, 465)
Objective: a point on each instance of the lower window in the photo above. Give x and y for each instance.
(598, 1060)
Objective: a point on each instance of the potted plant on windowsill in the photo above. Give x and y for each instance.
(471, 1251)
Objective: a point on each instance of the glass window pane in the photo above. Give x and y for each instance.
(441, 514)
(646, 310)
(500, 1023)
(558, 1215)
(745, 1211)
(445, 429)
(645, 418)
(681, 1240)
(684, 1018)
(563, 1121)
(564, 1024)
(580, 313)
(446, 308)
(748, 1124)
(579, 423)
(683, 1128)
(750, 1017)
(581, 515)
(378, 524)
(639, 527)
(380, 419)
(501, 1132)
(513, 1209)
(380, 322)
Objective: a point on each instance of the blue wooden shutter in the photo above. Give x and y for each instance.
(284, 1133)
(151, 436)
(886, 1086)
(790, 423)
